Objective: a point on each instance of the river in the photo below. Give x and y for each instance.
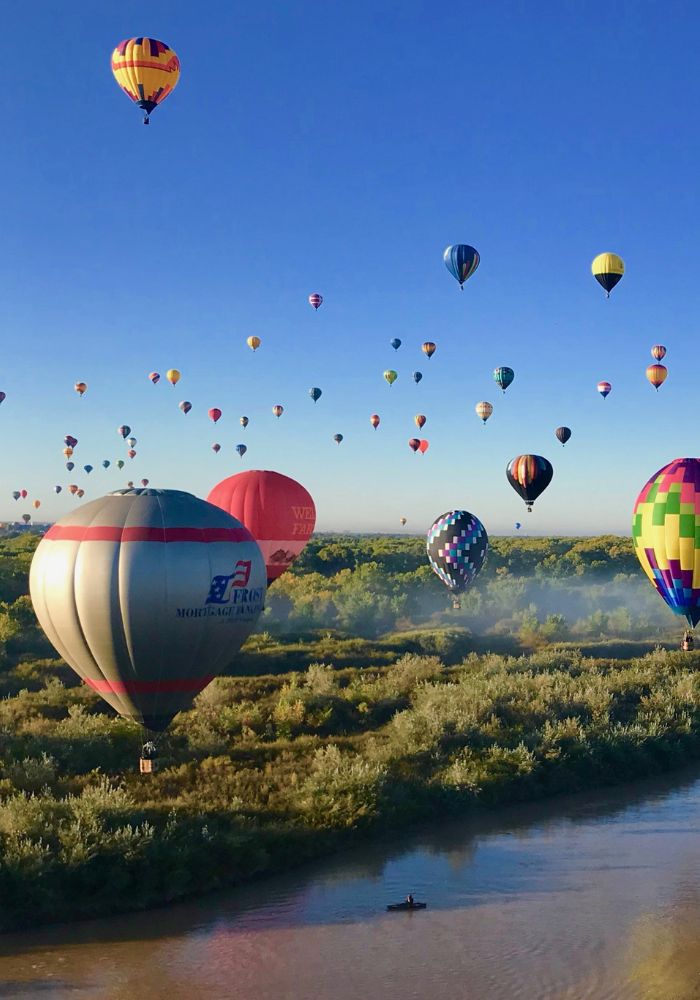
(594, 896)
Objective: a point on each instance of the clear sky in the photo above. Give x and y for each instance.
(339, 148)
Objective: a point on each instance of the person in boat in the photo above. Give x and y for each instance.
(410, 900)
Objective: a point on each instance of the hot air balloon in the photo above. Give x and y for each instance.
(417, 376)
(73, 489)
(244, 422)
(253, 343)
(414, 444)
(483, 410)
(88, 469)
(16, 494)
(185, 406)
(563, 434)
(529, 475)
(24, 494)
(604, 388)
(658, 352)
(375, 420)
(315, 300)
(106, 463)
(403, 521)
(26, 518)
(241, 449)
(131, 453)
(423, 446)
(503, 377)
(657, 375)
(132, 442)
(173, 376)
(154, 377)
(124, 431)
(315, 393)
(80, 493)
(461, 261)
(147, 71)
(607, 269)
(419, 420)
(337, 438)
(151, 636)
(70, 441)
(57, 489)
(130, 485)
(278, 410)
(277, 511)
(390, 376)
(3, 397)
(144, 482)
(395, 343)
(214, 413)
(70, 466)
(80, 388)
(518, 525)
(457, 544)
(68, 452)
(36, 504)
(120, 463)
(428, 348)
(216, 448)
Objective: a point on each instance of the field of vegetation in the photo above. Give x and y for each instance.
(365, 702)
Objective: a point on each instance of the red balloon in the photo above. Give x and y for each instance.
(214, 413)
(23, 494)
(423, 446)
(374, 420)
(277, 511)
(414, 444)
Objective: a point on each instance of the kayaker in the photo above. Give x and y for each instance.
(409, 899)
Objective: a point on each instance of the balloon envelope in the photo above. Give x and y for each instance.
(375, 420)
(658, 352)
(457, 544)
(173, 376)
(417, 376)
(278, 512)
(278, 410)
(185, 406)
(429, 348)
(461, 261)
(241, 449)
(483, 410)
(337, 438)
(419, 420)
(214, 414)
(604, 389)
(189, 588)
(423, 446)
(395, 343)
(414, 444)
(607, 269)
(124, 431)
(503, 377)
(315, 393)
(529, 475)
(390, 375)
(154, 377)
(563, 434)
(244, 422)
(146, 70)
(253, 343)
(657, 375)
(315, 299)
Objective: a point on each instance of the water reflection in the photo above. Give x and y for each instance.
(587, 897)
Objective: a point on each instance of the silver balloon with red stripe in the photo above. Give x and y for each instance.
(148, 594)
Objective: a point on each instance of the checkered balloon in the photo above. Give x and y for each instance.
(457, 544)
(666, 535)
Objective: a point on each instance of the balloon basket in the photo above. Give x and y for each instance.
(147, 765)
(456, 605)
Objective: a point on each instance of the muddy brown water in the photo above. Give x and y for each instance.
(594, 896)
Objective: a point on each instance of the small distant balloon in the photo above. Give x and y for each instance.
(253, 343)
(73, 489)
(24, 494)
(131, 453)
(16, 494)
(658, 352)
(244, 422)
(173, 376)
(391, 376)
(70, 441)
(36, 504)
(337, 438)
(403, 521)
(70, 466)
(607, 269)
(88, 469)
(657, 375)
(241, 449)
(315, 300)
(124, 431)
(375, 420)
(130, 485)
(420, 420)
(429, 348)
(414, 444)
(518, 525)
(154, 377)
(483, 410)
(563, 434)
(80, 493)
(503, 377)
(395, 343)
(185, 406)
(106, 463)
(120, 463)
(57, 489)
(278, 410)
(132, 442)
(68, 452)
(417, 376)
(604, 388)
(423, 446)
(529, 475)
(81, 388)
(216, 448)
(144, 482)
(215, 414)
(26, 518)
(315, 393)
(3, 397)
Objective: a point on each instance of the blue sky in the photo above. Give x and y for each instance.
(339, 148)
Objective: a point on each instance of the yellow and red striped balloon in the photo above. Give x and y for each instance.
(147, 71)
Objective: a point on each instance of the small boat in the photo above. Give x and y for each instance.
(406, 906)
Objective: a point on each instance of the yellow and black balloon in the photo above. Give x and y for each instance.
(607, 269)
(147, 71)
